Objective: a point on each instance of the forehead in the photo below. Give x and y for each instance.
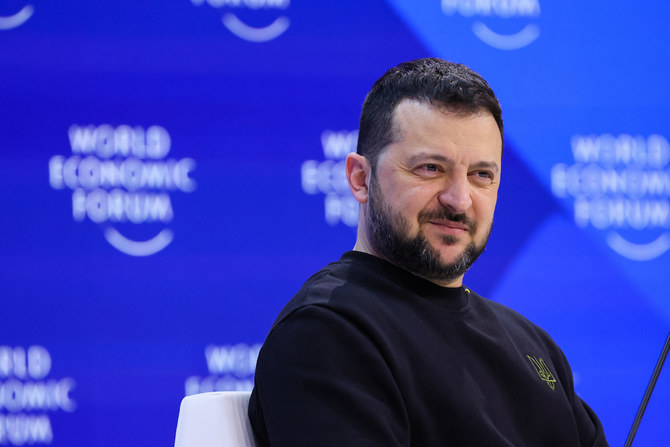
(420, 126)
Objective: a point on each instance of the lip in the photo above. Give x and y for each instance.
(450, 225)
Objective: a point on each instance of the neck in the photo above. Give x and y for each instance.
(364, 246)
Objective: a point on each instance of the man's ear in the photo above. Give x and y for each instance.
(358, 175)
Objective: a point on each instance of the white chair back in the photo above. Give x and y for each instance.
(217, 419)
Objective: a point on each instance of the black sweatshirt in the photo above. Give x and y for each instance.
(367, 354)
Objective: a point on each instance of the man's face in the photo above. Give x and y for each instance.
(432, 197)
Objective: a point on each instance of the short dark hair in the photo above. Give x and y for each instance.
(441, 83)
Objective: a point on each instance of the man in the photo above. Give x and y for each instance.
(386, 347)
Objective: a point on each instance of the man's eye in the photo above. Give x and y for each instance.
(483, 176)
(428, 170)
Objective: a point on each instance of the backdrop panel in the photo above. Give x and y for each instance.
(171, 172)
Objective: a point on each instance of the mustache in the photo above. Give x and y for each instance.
(446, 215)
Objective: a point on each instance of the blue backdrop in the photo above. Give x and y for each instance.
(171, 172)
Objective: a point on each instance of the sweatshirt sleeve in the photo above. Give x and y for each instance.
(589, 427)
(320, 381)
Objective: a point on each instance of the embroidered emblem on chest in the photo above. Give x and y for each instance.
(543, 371)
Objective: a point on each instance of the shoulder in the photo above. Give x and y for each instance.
(504, 314)
(348, 287)
(318, 290)
(517, 326)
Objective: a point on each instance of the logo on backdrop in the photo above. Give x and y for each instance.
(252, 20)
(28, 395)
(486, 12)
(231, 368)
(122, 177)
(17, 19)
(620, 184)
(328, 177)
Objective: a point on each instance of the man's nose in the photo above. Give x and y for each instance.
(456, 195)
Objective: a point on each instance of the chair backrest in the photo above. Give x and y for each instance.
(217, 419)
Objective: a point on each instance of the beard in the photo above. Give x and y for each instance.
(388, 233)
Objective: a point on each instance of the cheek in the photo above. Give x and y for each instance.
(407, 198)
(485, 206)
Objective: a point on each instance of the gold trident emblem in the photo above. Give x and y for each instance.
(543, 371)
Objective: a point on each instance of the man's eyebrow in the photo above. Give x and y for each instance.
(427, 156)
(424, 156)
